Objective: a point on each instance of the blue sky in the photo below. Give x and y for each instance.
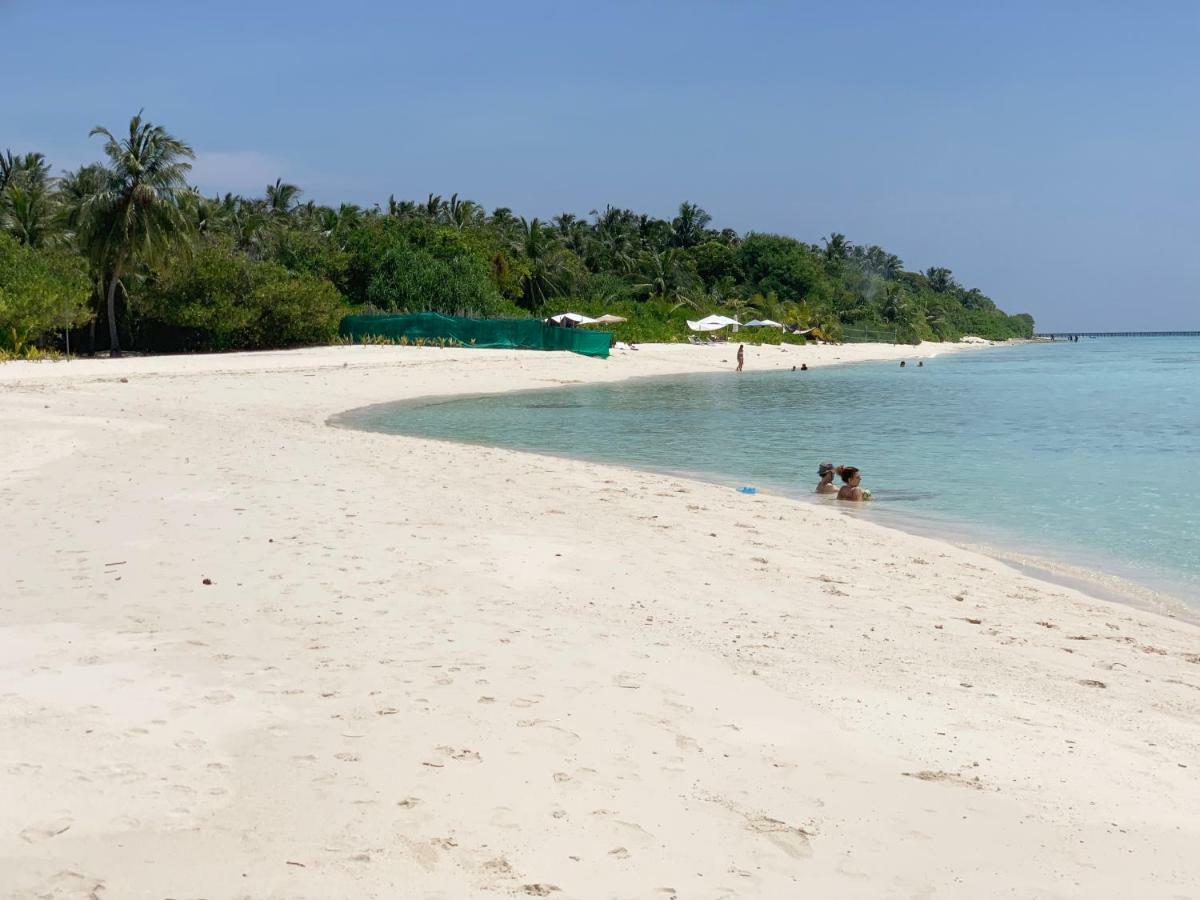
(1048, 153)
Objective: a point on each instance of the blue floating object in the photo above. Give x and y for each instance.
(747, 490)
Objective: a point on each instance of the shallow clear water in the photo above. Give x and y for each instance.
(1088, 453)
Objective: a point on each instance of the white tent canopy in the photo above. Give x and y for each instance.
(761, 323)
(712, 323)
(577, 318)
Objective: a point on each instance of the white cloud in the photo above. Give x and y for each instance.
(239, 171)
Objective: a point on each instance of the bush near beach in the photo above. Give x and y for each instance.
(124, 253)
(40, 289)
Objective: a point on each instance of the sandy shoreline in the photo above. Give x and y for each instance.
(431, 670)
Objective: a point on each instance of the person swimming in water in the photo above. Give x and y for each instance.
(851, 485)
(826, 471)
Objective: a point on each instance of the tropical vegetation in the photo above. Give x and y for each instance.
(124, 253)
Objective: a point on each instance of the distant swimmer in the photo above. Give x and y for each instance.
(921, 364)
(741, 356)
(803, 367)
(826, 471)
(902, 364)
(850, 489)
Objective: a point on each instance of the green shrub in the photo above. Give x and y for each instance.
(40, 291)
(307, 253)
(215, 298)
(295, 310)
(408, 279)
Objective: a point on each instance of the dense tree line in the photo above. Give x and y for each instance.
(125, 253)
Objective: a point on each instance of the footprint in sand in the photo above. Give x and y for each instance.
(463, 754)
(500, 867)
(44, 830)
(791, 840)
(503, 817)
(69, 885)
(634, 827)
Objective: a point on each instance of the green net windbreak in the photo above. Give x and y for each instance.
(434, 328)
(855, 334)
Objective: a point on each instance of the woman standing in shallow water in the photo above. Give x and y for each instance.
(741, 356)
(851, 481)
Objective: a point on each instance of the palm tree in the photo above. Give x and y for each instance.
(8, 165)
(432, 208)
(204, 215)
(282, 198)
(246, 221)
(462, 213)
(615, 245)
(134, 216)
(547, 265)
(837, 248)
(690, 227)
(505, 225)
(400, 209)
(740, 306)
(27, 212)
(667, 275)
(575, 235)
(74, 189)
(876, 259)
(894, 304)
(30, 170)
(654, 234)
(940, 279)
(27, 204)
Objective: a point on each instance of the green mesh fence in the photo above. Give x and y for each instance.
(855, 334)
(433, 328)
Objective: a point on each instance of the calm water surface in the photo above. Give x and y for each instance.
(1087, 453)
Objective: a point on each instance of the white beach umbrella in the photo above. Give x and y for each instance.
(610, 319)
(712, 323)
(762, 323)
(577, 318)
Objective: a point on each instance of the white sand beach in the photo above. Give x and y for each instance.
(247, 654)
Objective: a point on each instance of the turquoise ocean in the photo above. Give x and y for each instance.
(1085, 454)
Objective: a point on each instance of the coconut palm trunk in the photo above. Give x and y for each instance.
(114, 342)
